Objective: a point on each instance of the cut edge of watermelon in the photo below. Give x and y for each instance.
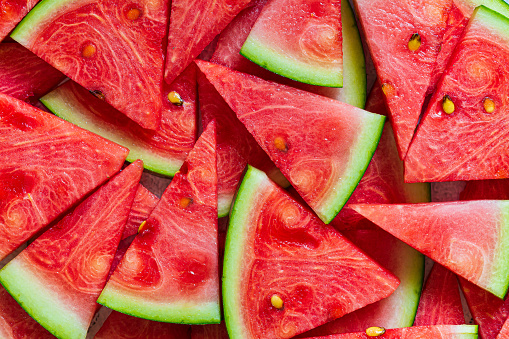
(27, 289)
(500, 276)
(493, 19)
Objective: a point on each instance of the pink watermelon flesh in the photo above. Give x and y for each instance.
(470, 143)
(504, 332)
(440, 302)
(11, 13)
(23, 75)
(170, 271)
(48, 165)
(122, 326)
(468, 237)
(193, 25)
(405, 74)
(317, 163)
(215, 331)
(127, 35)
(59, 276)
(143, 204)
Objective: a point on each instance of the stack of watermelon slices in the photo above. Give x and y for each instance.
(285, 269)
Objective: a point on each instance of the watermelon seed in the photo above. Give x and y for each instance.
(141, 226)
(387, 89)
(133, 14)
(185, 202)
(98, 94)
(415, 42)
(489, 105)
(375, 331)
(175, 98)
(276, 301)
(280, 144)
(447, 104)
(88, 51)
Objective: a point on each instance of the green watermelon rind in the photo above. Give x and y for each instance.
(493, 20)
(170, 312)
(499, 282)
(499, 6)
(71, 111)
(41, 303)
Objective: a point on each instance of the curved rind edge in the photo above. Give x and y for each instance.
(500, 280)
(414, 278)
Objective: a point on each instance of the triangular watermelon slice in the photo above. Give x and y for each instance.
(117, 55)
(192, 27)
(170, 271)
(47, 165)
(471, 238)
(301, 40)
(464, 132)
(322, 146)
(59, 276)
(285, 271)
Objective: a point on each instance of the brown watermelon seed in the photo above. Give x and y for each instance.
(185, 202)
(280, 144)
(175, 98)
(387, 88)
(447, 104)
(489, 105)
(141, 226)
(276, 301)
(88, 51)
(375, 331)
(98, 94)
(415, 42)
(133, 14)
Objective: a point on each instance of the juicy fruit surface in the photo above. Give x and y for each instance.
(320, 164)
(47, 166)
(275, 246)
(300, 40)
(143, 204)
(474, 146)
(117, 57)
(11, 13)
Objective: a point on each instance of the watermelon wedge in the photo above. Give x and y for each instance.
(325, 162)
(170, 271)
(58, 277)
(300, 40)
(440, 302)
(285, 271)
(193, 25)
(127, 35)
(474, 88)
(47, 166)
(468, 237)
(162, 151)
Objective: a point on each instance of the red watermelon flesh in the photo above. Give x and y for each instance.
(118, 53)
(440, 302)
(470, 143)
(24, 75)
(504, 332)
(404, 74)
(467, 237)
(486, 189)
(59, 276)
(47, 166)
(12, 12)
(122, 326)
(193, 25)
(170, 271)
(214, 331)
(376, 102)
(15, 323)
(143, 204)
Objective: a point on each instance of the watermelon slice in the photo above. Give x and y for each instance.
(58, 277)
(193, 25)
(468, 143)
(440, 302)
(325, 162)
(47, 166)
(162, 151)
(285, 271)
(170, 271)
(23, 75)
(300, 40)
(11, 13)
(468, 237)
(128, 35)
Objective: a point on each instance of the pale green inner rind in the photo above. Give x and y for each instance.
(223, 205)
(173, 312)
(42, 303)
(360, 156)
(465, 330)
(499, 281)
(61, 104)
(499, 6)
(493, 20)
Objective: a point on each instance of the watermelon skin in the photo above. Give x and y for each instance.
(193, 25)
(318, 165)
(48, 165)
(162, 151)
(135, 47)
(170, 271)
(303, 260)
(23, 75)
(473, 148)
(59, 276)
(300, 40)
(448, 236)
(440, 302)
